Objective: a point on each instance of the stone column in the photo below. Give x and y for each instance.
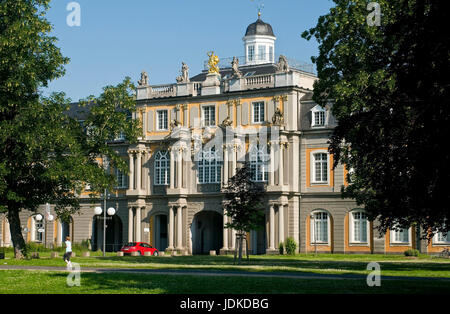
(233, 239)
(280, 166)
(138, 224)
(180, 169)
(171, 227)
(272, 165)
(225, 231)
(280, 223)
(131, 165)
(225, 165)
(130, 224)
(138, 170)
(179, 227)
(234, 160)
(172, 169)
(272, 228)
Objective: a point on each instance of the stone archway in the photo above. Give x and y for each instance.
(159, 232)
(207, 232)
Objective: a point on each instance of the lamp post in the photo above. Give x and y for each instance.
(48, 217)
(111, 212)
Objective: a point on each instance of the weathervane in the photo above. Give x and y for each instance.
(259, 5)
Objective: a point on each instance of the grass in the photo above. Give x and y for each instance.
(391, 265)
(26, 282)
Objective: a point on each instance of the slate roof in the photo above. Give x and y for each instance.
(259, 28)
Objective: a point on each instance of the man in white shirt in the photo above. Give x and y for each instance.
(68, 253)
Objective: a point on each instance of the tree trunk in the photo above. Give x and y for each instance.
(16, 233)
(240, 248)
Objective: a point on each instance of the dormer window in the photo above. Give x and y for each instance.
(319, 116)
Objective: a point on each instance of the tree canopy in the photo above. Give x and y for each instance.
(389, 90)
(46, 155)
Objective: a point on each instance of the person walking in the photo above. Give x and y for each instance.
(68, 253)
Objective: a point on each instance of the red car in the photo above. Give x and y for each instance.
(140, 247)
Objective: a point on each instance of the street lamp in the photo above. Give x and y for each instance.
(48, 217)
(111, 212)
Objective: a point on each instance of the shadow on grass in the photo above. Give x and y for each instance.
(433, 269)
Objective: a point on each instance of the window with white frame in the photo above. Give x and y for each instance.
(320, 167)
(401, 236)
(318, 116)
(251, 53)
(262, 53)
(209, 115)
(359, 227)
(162, 168)
(320, 227)
(271, 53)
(258, 112)
(162, 123)
(121, 179)
(259, 163)
(441, 238)
(209, 166)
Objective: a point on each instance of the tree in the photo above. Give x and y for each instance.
(45, 154)
(389, 90)
(243, 204)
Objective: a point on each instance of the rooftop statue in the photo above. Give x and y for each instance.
(235, 67)
(144, 79)
(213, 62)
(184, 78)
(283, 65)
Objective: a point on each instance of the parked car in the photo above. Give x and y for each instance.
(140, 247)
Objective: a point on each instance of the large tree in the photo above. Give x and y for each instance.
(389, 84)
(46, 155)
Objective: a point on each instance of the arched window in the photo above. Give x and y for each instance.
(209, 166)
(359, 226)
(162, 168)
(319, 116)
(259, 164)
(320, 227)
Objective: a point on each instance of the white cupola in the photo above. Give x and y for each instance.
(259, 42)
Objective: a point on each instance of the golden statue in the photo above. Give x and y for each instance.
(213, 62)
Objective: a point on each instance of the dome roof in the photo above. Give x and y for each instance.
(259, 28)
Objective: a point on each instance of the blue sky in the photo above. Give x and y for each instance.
(119, 38)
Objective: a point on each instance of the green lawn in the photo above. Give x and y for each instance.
(424, 266)
(26, 282)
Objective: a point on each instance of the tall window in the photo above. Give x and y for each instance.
(162, 120)
(359, 227)
(259, 164)
(271, 53)
(262, 52)
(320, 168)
(400, 236)
(251, 53)
(440, 238)
(258, 112)
(162, 168)
(320, 227)
(121, 179)
(209, 115)
(209, 167)
(39, 225)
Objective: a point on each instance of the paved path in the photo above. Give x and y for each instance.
(297, 275)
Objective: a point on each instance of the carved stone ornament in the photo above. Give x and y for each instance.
(227, 122)
(282, 65)
(184, 78)
(144, 79)
(213, 62)
(235, 67)
(278, 118)
(174, 124)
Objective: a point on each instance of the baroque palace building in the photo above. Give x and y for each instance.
(196, 133)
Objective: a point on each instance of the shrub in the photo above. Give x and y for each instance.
(412, 252)
(281, 248)
(291, 246)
